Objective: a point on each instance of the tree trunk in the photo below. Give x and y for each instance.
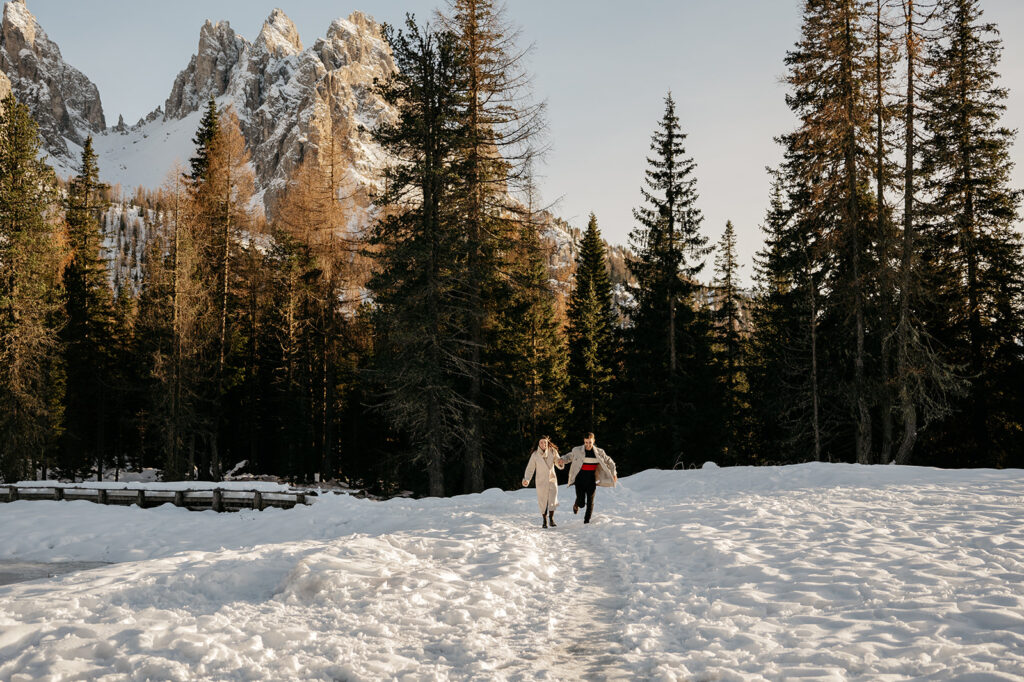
(907, 406)
(863, 430)
(883, 235)
(474, 469)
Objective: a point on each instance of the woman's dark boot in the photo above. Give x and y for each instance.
(551, 515)
(545, 519)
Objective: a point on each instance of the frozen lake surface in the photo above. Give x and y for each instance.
(22, 571)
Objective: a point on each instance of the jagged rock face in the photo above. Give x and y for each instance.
(5, 85)
(209, 71)
(63, 101)
(279, 37)
(292, 100)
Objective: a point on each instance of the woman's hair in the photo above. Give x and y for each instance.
(551, 443)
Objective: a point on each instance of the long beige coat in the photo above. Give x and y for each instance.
(543, 462)
(606, 473)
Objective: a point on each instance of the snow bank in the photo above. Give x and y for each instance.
(822, 571)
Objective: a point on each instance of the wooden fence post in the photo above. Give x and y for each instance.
(102, 496)
(179, 498)
(141, 501)
(218, 500)
(58, 494)
(257, 500)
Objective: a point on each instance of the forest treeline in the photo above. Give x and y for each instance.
(430, 349)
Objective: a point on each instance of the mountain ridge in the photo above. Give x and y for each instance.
(289, 100)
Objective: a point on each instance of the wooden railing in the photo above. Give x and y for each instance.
(217, 499)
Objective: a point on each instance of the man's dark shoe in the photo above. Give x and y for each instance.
(551, 518)
(575, 508)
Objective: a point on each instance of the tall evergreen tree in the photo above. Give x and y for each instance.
(31, 251)
(126, 380)
(174, 332)
(502, 125)
(420, 248)
(527, 354)
(972, 253)
(667, 341)
(90, 316)
(729, 345)
(591, 335)
(924, 379)
(318, 271)
(219, 210)
(529, 361)
(827, 167)
(785, 373)
(885, 112)
(209, 126)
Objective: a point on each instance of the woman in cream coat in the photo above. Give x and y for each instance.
(543, 461)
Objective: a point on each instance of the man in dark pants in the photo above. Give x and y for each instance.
(589, 468)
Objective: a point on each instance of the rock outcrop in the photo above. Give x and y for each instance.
(64, 102)
(5, 85)
(290, 100)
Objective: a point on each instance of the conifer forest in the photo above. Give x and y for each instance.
(428, 348)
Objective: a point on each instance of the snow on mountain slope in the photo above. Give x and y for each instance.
(811, 571)
(147, 154)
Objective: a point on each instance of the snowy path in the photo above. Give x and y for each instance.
(578, 634)
(824, 572)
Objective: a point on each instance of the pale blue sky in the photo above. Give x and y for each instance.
(603, 67)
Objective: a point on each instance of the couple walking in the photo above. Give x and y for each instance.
(589, 467)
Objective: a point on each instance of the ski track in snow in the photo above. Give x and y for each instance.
(826, 572)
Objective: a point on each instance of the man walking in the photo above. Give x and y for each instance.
(589, 468)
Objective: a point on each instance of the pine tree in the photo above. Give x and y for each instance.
(297, 280)
(502, 125)
(209, 127)
(923, 378)
(126, 380)
(971, 252)
(785, 373)
(529, 362)
(219, 211)
(420, 248)
(667, 343)
(90, 316)
(591, 335)
(729, 344)
(177, 330)
(319, 269)
(31, 251)
(885, 112)
(827, 167)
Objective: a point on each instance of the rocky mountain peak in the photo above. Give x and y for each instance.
(288, 98)
(354, 47)
(18, 18)
(64, 102)
(279, 36)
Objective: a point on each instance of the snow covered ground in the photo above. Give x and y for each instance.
(814, 571)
